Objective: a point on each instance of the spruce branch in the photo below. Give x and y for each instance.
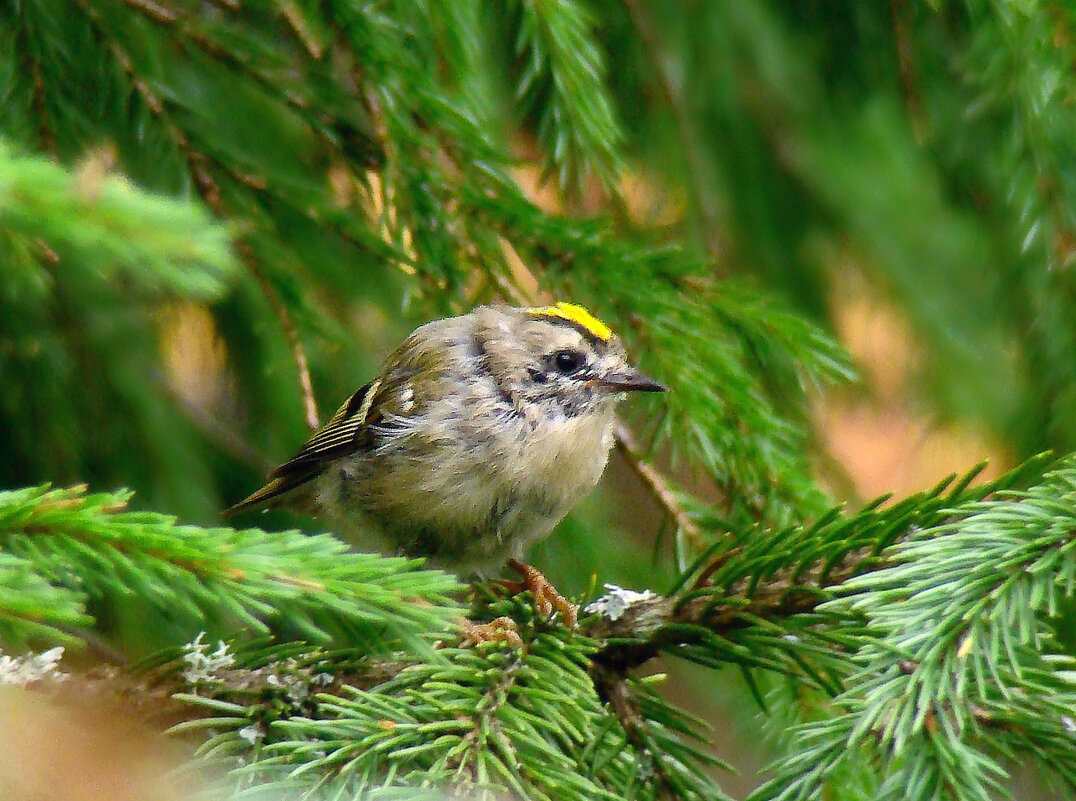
(198, 165)
(46, 137)
(88, 549)
(491, 719)
(562, 80)
(328, 116)
(673, 779)
(184, 30)
(789, 575)
(298, 352)
(690, 145)
(477, 721)
(958, 667)
(758, 605)
(33, 609)
(155, 243)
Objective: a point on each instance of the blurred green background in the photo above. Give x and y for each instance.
(196, 196)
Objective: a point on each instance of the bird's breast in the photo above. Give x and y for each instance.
(566, 456)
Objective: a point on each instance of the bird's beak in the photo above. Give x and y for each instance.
(627, 380)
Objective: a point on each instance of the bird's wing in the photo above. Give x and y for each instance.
(344, 434)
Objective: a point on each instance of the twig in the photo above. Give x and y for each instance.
(294, 18)
(223, 436)
(494, 697)
(642, 631)
(103, 650)
(44, 130)
(310, 406)
(906, 68)
(613, 689)
(153, 11)
(655, 482)
(685, 130)
(210, 192)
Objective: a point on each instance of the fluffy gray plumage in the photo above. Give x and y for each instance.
(477, 437)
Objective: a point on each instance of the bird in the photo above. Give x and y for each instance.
(478, 435)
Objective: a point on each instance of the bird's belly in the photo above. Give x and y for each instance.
(468, 507)
(477, 519)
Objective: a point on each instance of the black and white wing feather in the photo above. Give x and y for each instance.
(346, 433)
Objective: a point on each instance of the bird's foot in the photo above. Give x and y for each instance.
(501, 629)
(546, 597)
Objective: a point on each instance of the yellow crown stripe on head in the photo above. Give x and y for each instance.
(574, 313)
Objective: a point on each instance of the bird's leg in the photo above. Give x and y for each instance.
(546, 597)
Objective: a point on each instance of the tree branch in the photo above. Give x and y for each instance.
(493, 698)
(328, 128)
(209, 189)
(298, 354)
(905, 50)
(219, 433)
(655, 482)
(653, 624)
(685, 131)
(612, 687)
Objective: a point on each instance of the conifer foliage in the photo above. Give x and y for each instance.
(216, 217)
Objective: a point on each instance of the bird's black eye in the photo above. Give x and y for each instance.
(567, 361)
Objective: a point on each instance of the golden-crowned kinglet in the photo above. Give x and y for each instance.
(476, 438)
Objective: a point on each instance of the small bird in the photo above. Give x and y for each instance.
(478, 435)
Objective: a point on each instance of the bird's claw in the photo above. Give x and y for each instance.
(501, 629)
(546, 597)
